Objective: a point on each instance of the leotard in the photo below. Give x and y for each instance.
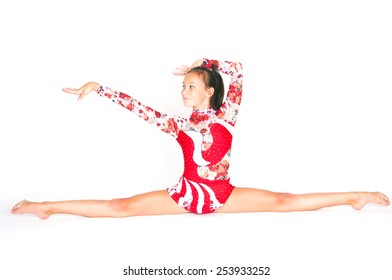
(205, 138)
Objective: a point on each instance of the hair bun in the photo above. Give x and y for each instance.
(214, 67)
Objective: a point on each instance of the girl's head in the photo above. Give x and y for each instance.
(203, 88)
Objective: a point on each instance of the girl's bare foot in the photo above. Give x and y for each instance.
(25, 206)
(369, 197)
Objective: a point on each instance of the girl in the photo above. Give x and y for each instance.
(205, 138)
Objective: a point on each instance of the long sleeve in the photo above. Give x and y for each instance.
(169, 124)
(230, 106)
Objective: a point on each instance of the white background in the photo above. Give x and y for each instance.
(315, 117)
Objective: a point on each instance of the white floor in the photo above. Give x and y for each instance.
(336, 243)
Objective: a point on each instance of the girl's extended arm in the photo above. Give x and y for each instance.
(169, 124)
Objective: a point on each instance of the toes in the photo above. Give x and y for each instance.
(17, 206)
(382, 199)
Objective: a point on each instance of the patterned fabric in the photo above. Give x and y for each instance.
(205, 138)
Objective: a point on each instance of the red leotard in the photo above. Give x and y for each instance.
(205, 138)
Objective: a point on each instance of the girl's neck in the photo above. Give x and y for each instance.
(203, 110)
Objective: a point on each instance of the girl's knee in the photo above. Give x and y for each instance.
(284, 199)
(119, 205)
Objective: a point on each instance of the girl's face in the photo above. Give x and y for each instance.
(194, 92)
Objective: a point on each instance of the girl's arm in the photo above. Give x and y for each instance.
(169, 124)
(230, 106)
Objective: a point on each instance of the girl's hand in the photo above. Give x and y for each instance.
(184, 69)
(198, 62)
(84, 90)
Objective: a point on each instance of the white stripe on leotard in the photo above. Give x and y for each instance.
(188, 198)
(213, 198)
(200, 201)
(197, 139)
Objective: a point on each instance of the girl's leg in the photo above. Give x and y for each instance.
(257, 200)
(152, 203)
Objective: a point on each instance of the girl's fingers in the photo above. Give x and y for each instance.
(71, 90)
(181, 70)
(179, 73)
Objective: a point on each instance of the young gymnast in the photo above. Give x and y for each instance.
(205, 138)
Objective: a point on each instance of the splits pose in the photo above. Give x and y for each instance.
(205, 138)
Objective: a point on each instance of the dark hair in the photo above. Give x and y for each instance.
(212, 78)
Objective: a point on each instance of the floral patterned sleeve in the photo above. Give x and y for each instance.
(230, 106)
(169, 124)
